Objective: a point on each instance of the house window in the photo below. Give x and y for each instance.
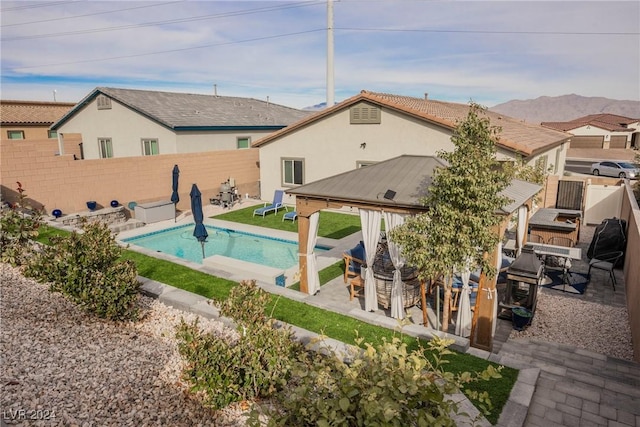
(364, 114)
(150, 147)
(292, 171)
(52, 134)
(103, 102)
(243, 142)
(556, 166)
(106, 148)
(15, 134)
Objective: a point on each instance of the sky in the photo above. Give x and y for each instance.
(488, 52)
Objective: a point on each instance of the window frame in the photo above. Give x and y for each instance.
(10, 132)
(144, 142)
(109, 147)
(283, 172)
(52, 134)
(239, 138)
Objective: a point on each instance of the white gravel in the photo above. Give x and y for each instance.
(61, 367)
(599, 328)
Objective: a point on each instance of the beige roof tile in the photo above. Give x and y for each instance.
(32, 112)
(518, 136)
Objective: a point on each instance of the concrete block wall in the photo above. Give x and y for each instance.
(60, 182)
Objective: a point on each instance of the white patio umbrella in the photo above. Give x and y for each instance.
(313, 280)
(370, 222)
(391, 221)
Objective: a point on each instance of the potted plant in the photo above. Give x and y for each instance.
(521, 318)
(92, 204)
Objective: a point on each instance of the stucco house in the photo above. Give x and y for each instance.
(601, 131)
(117, 122)
(370, 127)
(30, 120)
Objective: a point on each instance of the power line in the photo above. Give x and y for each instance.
(166, 22)
(38, 5)
(91, 14)
(170, 50)
(579, 33)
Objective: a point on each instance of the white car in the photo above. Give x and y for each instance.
(616, 169)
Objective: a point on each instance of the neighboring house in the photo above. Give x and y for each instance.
(371, 127)
(30, 120)
(601, 131)
(129, 123)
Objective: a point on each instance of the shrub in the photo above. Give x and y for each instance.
(382, 386)
(257, 365)
(18, 229)
(86, 267)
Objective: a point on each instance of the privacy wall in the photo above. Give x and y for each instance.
(60, 182)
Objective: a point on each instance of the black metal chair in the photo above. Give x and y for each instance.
(606, 262)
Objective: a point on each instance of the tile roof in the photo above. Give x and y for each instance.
(517, 136)
(186, 111)
(606, 121)
(410, 176)
(32, 112)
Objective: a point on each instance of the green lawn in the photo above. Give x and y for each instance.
(317, 320)
(332, 225)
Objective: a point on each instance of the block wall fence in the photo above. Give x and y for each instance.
(60, 182)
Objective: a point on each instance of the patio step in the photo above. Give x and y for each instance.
(246, 270)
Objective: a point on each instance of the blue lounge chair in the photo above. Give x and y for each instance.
(290, 215)
(274, 206)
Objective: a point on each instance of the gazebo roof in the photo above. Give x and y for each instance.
(408, 177)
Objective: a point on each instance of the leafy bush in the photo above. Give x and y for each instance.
(382, 386)
(18, 229)
(86, 267)
(257, 365)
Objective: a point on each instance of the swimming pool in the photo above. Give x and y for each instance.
(179, 242)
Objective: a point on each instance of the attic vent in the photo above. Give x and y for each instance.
(103, 102)
(363, 113)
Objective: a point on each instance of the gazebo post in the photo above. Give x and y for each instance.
(482, 323)
(303, 237)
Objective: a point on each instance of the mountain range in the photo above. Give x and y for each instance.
(565, 108)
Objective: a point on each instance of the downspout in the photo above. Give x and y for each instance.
(60, 144)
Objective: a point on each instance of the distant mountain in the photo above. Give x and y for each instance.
(566, 107)
(316, 107)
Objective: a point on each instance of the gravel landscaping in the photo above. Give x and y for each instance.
(596, 327)
(61, 367)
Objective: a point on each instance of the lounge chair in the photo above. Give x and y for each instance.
(274, 206)
(290, 216)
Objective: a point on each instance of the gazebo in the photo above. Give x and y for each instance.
(394, 188)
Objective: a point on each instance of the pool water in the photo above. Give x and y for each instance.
(179, 242)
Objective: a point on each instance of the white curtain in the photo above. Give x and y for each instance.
(391, 221)
(463, 323)
(495, 291)
(313, 280)
(522, 223)
(370, 222)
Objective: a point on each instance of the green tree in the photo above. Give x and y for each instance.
(459, 227)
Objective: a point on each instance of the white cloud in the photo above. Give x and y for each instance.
(472, 50)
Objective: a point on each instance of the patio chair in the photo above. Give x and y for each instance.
(535, 238)
(353, 261)
(274, 206)
(561, 241)
(606, 262)
(292, 216)
(456, 289)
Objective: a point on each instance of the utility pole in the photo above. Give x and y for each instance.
(330, 83)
